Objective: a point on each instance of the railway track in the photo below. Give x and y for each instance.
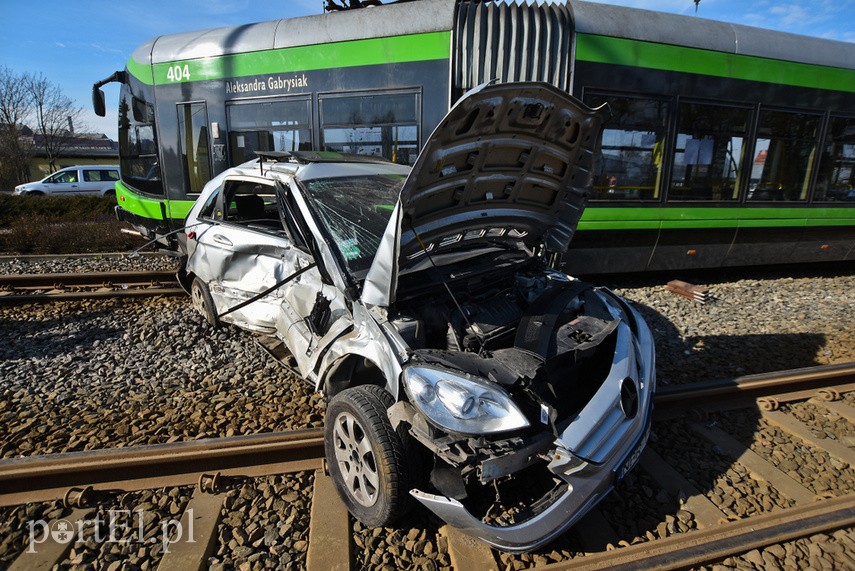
(28, 288)
(83, 479)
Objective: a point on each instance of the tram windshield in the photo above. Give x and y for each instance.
(138, 144)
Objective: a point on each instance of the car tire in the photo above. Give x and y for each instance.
(110, 194)
(366, 457)
(203, 302)
(35, 193)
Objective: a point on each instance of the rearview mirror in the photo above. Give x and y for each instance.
(98, 102)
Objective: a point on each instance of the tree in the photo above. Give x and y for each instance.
(55, 114)
(15, 151)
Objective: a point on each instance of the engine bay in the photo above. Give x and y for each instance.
(547, 339)
(515, 326)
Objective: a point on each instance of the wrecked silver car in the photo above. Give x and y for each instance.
(463, 369)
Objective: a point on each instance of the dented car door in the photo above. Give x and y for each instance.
(241, 249)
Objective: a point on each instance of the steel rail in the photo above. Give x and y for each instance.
(84, 295)
(797, 383)
(45, 477)
(91, 285)
(48, 477)
(85, 278)
(698, 547)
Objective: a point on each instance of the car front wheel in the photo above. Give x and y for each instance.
(366, 457)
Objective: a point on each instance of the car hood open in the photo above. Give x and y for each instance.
(511, 164)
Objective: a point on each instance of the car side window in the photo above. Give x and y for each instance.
(100, 175)
(211, 208)
(255, 206)
(252, 205)
(65, 176)
(246, 201)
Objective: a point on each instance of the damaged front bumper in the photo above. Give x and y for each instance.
(590, 456)
(570, 502)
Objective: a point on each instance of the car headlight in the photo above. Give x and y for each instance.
(462, 404)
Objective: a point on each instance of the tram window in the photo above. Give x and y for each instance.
(137, 145)
(194, 145)
(784, 155)
(836, 179)
(709, 152)
(629, 166)
(383, 125)
(269, 126)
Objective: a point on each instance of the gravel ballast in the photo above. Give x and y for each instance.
(265, 524)
(813, 468)
(753, 326)
(84, 375)
(145, 261)
(727, 485)
(821, 551)
(97, 374)
(88, 375)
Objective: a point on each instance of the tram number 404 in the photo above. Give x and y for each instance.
(178, 73)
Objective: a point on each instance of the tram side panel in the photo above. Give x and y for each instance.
(212, 141)
(678, 226)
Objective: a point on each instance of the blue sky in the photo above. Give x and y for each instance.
(78, 42)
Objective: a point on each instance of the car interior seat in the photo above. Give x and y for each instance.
(249, 206)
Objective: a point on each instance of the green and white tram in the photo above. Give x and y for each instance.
(727, 145)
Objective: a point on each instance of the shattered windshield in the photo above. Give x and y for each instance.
(356, 210)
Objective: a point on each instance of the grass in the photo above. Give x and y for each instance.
(61, 225)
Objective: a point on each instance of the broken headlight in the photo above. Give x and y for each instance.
(461, 404)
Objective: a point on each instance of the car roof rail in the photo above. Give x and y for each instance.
(307, 157)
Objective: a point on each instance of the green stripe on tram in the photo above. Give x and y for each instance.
(373, 51)
(629, 218)
(635, 53)
(137, 204)
(150, 208)
(180, 208)
(141, 71)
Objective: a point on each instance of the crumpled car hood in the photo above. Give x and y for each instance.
(511, 164)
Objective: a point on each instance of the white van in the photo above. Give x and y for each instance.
(94, 180)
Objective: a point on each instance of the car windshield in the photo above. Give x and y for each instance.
(356, 210)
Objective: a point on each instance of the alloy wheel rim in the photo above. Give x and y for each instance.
(198, 299)
(356, 459)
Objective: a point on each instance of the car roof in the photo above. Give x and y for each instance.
(90, 167)
(310, 166)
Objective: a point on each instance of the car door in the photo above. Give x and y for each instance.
(314, 311)
(241, 248)
(91, 182)
(63, 183)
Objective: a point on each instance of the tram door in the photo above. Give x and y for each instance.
(194, 146)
